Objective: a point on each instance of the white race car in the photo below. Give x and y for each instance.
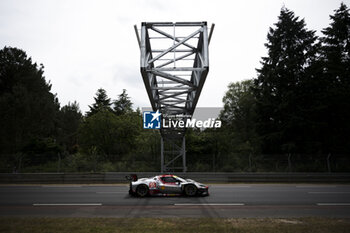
(166, 185)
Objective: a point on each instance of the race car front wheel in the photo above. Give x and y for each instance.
(190, 190)
(142, 190)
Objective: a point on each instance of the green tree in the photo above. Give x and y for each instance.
(110, 136)
(197, 153)
(239, 117)
(102, 102)
(69, 120)
(99, 132)
(28, 109)
(335, 57)
(123, 104)
(291, 50)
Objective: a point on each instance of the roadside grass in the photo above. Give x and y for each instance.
(154, 225)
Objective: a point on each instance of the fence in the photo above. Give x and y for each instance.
(220, 177)
(236, 162)
(230, 162)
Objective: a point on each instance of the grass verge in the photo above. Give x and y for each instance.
(154, 225)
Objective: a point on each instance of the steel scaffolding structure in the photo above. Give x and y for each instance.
(174, 66)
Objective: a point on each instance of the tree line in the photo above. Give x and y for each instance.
(293, 116)
(298, 106)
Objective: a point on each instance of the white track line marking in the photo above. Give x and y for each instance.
(315, 186)
(69, 204)
(209, 204)
(327, 192)
(110, 192)
(333, 204)
(61, 186)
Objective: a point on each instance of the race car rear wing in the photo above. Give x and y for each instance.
(131, 177)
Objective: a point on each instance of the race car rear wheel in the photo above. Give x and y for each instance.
(190, 190)
(142, 190)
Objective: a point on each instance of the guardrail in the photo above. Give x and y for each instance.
(209, 177)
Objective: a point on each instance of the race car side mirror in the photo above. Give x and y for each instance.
(131, 177)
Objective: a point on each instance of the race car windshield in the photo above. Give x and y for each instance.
(180, 179)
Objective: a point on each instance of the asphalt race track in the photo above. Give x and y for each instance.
(231, 200)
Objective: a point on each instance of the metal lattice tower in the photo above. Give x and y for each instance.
(174, 66)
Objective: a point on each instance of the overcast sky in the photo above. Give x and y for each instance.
(85, 45)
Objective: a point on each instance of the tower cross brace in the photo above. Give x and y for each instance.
(174, 65)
